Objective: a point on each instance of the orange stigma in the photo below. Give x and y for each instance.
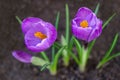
(84, 24)
(40, 35)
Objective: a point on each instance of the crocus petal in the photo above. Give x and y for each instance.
(91, 18)
(96, 32)
(29, 22)
(22, 56)
(79, 32)
(83, 12)
(36, 44)
(93, 28)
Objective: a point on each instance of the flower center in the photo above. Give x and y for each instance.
(84, 24)
(40, 35)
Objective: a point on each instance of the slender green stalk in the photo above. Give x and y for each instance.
(83, 60)
(71, 43)
(112, 46)
(53, 66)
(107, 56)
(44, 66)
(67, 23)
(19, 20)
(56, 25)
(97, 8)
(108, 20)
(65, 54)
(101, 63)
(66, 57)
(57, 45)
(53, 52)
(79, 49)
(43, 54)
(90, 46)
(57, 20)
(73, 56)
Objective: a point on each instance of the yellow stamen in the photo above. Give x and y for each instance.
(84, 24)
(40, 35)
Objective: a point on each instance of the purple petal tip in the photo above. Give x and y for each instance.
(22, 56)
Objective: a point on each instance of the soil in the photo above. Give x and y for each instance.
(11, 38)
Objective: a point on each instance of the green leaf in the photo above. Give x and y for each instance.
(57, 20)
(97, 8)
(63, 41)
(90, 46)
(78, 47)
(58, 54)
(73, 56)
(71, 43)
(53, 52)
(108, 20)
(57, 45)
(101, 63)
(56, 25)
(67, 23)
(54, 63)
(107, 54)
(113, 56)
(18, 19)
(44, 67)
(65, 54)
(43, 54)
(38, 61)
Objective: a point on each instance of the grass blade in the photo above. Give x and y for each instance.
(101, 63)
(44, 67)
(57, 20)
(43, 54)
(112, 46)
(57, 45)
(108, 20)
(90, 46)
(113, 56)
(67, 23)
(53, 52)
(73, 56)
(54, 63)
(71, 43)
(78, 47)
(58, 55)
(20, 22)
(56, 25)
(97, 8)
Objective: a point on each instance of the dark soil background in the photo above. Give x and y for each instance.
(11, 38)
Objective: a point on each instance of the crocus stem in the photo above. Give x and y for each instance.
(45, 56)
(53, 52)
(18, 19)
(67, 23)
(53, 66)
(99, 65)
(83, 60)
(53, 70)
(66, 58)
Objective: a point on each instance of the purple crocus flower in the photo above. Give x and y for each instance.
(22, 56)
(86, 26)
(39, 35)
